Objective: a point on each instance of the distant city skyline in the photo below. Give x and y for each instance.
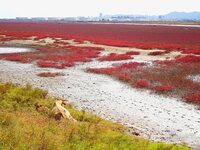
(69, 8)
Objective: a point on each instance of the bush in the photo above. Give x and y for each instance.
(14, 97)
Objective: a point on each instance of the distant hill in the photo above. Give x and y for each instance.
(172, 16)
(182, 16)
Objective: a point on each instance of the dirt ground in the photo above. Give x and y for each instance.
(154, 117)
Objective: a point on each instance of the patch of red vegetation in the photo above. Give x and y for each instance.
(167, 77)
(163, 88)
(170, 78)
(50, 74)
(140, 36)
(141, 84)
(133, 53)
(108, 71)
(193, 98)
(55, 56)
(115, 70)
(188, 58)
(123, 76)
(130, 65)
(181, 59)
(192, 51)
(115, 57)
(18, 58)
(50, 64)
(156, 53)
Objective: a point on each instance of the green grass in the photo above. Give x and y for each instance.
(22, 127)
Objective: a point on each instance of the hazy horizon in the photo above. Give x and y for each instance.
(66, 8)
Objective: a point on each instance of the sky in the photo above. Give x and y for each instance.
(74, 8)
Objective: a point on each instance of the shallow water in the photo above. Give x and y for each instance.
(13, 50)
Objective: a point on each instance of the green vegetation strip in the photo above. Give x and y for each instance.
(23, 127)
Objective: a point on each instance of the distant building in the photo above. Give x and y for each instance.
(69, 19)
(83, 18)
(21, 18)
(53, 18)
(100, 15)
(38, 19)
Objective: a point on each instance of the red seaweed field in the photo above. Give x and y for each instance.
(186, 39)
(169, 77)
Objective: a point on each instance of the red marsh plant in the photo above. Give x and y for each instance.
(55, 56)
(50, 74)
(18, 58)
(192, 51)
(163, 88)
(123, 76)
(156, 53)
(108, 71)
(133, 53)
(141, 84)
(115, 57)
(188, 58)
(166, 77)
(143, 37)
(58, 65)
(193, 97)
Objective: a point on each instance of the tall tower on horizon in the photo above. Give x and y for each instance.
(101, 15)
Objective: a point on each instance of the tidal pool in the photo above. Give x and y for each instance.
(13, 50)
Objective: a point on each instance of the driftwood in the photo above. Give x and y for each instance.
(59, 111)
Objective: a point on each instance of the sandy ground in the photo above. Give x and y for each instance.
(108, 49)
(154, 117)
(29, 41)
(121, 50)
